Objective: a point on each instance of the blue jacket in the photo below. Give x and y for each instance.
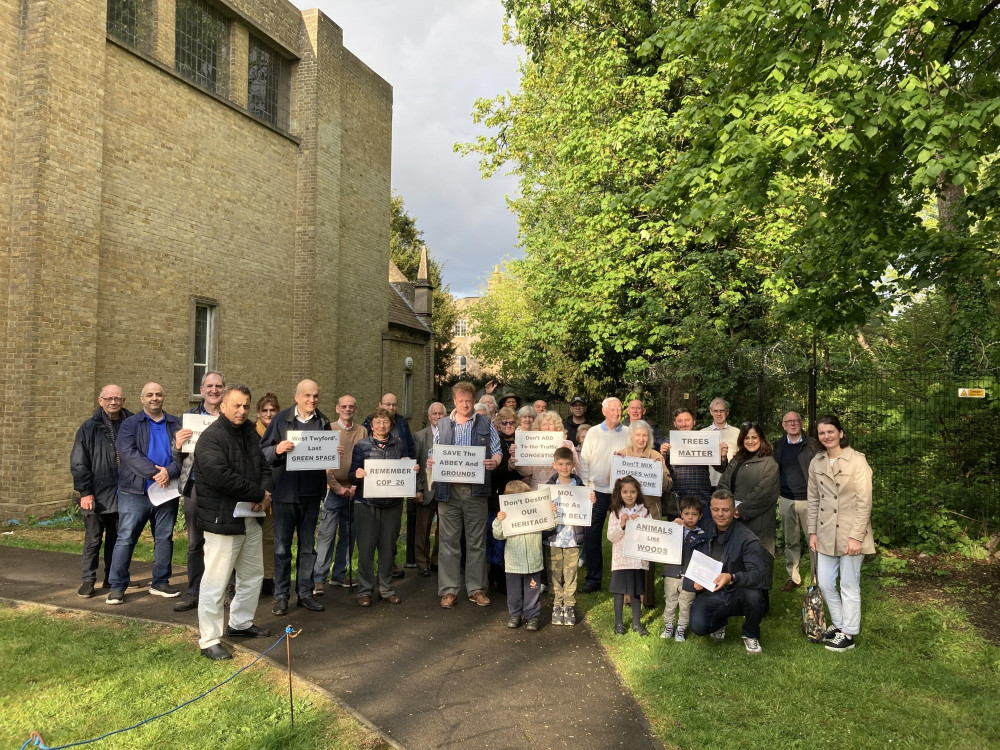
(366, 448)
(133, 444)
(289, 484)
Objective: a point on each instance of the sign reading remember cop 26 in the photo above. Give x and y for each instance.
(461, 464)
(313, 450)
(656, 541)
(385, 477)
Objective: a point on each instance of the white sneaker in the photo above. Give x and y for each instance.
(719, 635)
(752, 644)
(679, 634)
(668, 632)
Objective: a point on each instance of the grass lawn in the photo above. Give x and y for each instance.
(75, 677)
(920, 677)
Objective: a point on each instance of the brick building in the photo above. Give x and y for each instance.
(186, 184)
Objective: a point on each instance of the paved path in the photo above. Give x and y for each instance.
(427, 677)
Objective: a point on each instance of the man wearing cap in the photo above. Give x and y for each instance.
(577, 416)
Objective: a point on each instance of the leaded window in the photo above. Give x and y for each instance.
(131, 22)
(268, 83)
(201, 45)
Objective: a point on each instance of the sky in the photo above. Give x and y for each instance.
(440, 56)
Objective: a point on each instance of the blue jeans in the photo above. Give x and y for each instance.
(594, 540)
(133, 513)
(711, 610)
(291, 519)
(334, 523)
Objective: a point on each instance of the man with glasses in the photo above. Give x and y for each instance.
(94, 465)
(425, 558)
(719, 409)
(213, 383)
(577, 416)
(337, 517)
(793, 452)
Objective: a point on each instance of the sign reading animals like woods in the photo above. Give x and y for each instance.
(656, 541)
(459, 464)
(695, 448)
(527, 512)
(536, 447)
(313, 450)
(647, 471)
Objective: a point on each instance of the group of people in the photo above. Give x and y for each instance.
(244, 509)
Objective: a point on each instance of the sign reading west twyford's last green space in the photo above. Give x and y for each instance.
(314, 449)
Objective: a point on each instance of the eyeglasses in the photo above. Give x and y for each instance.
(112, 399)
(508, 423)
(792, 421)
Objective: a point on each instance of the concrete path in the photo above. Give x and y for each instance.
(427, 677)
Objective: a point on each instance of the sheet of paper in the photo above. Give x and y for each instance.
(647, 471)
(243, 510)
(314, 449)
(691, 448)
(159, 495)
(527, 512)
(536, 448)
(197, 424)
(389, 478)
(573, 506)
(459, 464)
(703, 570)
(656, 541)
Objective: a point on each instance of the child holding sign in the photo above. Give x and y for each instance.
(676, 598)
(628, 574)
(562, 545)
(522, 558)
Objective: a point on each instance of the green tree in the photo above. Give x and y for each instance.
(405, 244)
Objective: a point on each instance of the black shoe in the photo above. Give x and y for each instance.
(424, 572)
(589, 588)
(310, 603)
(267, 587)
(252, 632)
(280, 607)
(165, 590)
(514, 621)
(216, 653)
(189, 602)
(116, 596)
(532, 624)
(86, 589)
(619, 630)
(398, 573)
(640, 630)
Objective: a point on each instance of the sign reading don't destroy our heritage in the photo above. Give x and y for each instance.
(459, 464)
(527, 512)
(656, 541)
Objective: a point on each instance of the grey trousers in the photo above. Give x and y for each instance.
(462, 511)
(793, 522)
(378, 529)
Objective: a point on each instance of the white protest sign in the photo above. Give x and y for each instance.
(647, 471)
(461, 464)
(197, 424)
(657, 541)
(390, 477)
(314, 449)
(535, 447)
(573, 506)
(703, 570)
(690, 448)
(527, 512)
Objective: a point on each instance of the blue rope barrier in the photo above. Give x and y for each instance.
(35, 740)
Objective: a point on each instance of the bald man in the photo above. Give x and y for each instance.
(143, 444)
(296, 499)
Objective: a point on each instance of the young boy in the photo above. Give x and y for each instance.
(676, 599)
(562, 546)
(523, 564)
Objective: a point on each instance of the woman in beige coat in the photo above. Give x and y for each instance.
(840, 529)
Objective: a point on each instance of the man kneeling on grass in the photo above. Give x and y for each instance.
(738, 587)
(234, 479)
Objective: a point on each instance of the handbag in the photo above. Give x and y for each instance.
(813, 617)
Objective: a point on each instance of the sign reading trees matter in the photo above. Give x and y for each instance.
(690, 448)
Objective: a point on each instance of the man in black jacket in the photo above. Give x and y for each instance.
(793, 452)
(94, 465)
(738, 588)
(234, 482)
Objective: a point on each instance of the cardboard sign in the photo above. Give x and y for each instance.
(573, 506)
(459, 464)
(656, 541)
(527, 512)
(695, 448)
(197, 424)
(536, 447)
(314, 449)
(648, 472)
(390, 477)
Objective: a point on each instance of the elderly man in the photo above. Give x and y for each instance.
(599, 448)
(233, 480)
(94, 465)
(719, 409)
(792, 453)
(635, 411)
(739, 587)
(212, 385)
(426, 505)
(143, 444)
(463, 506)
(297, 497)
(338, 518)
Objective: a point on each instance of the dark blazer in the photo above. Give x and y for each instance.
(424, 442)
(289, 486)
(93, 463)
(809, 449)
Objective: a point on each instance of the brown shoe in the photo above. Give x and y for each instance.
(394, 599)
(790, 585)
(364, 600)
(448, 601)
(480, 598)
(318, 589)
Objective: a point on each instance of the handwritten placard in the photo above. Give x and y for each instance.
(197, 424)
(390, 477)
(536, 447)
(689, 448)
(647, 471)
(459, 464)
(573, 506)
(656, 541)
(313, 450)
(527, 512)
